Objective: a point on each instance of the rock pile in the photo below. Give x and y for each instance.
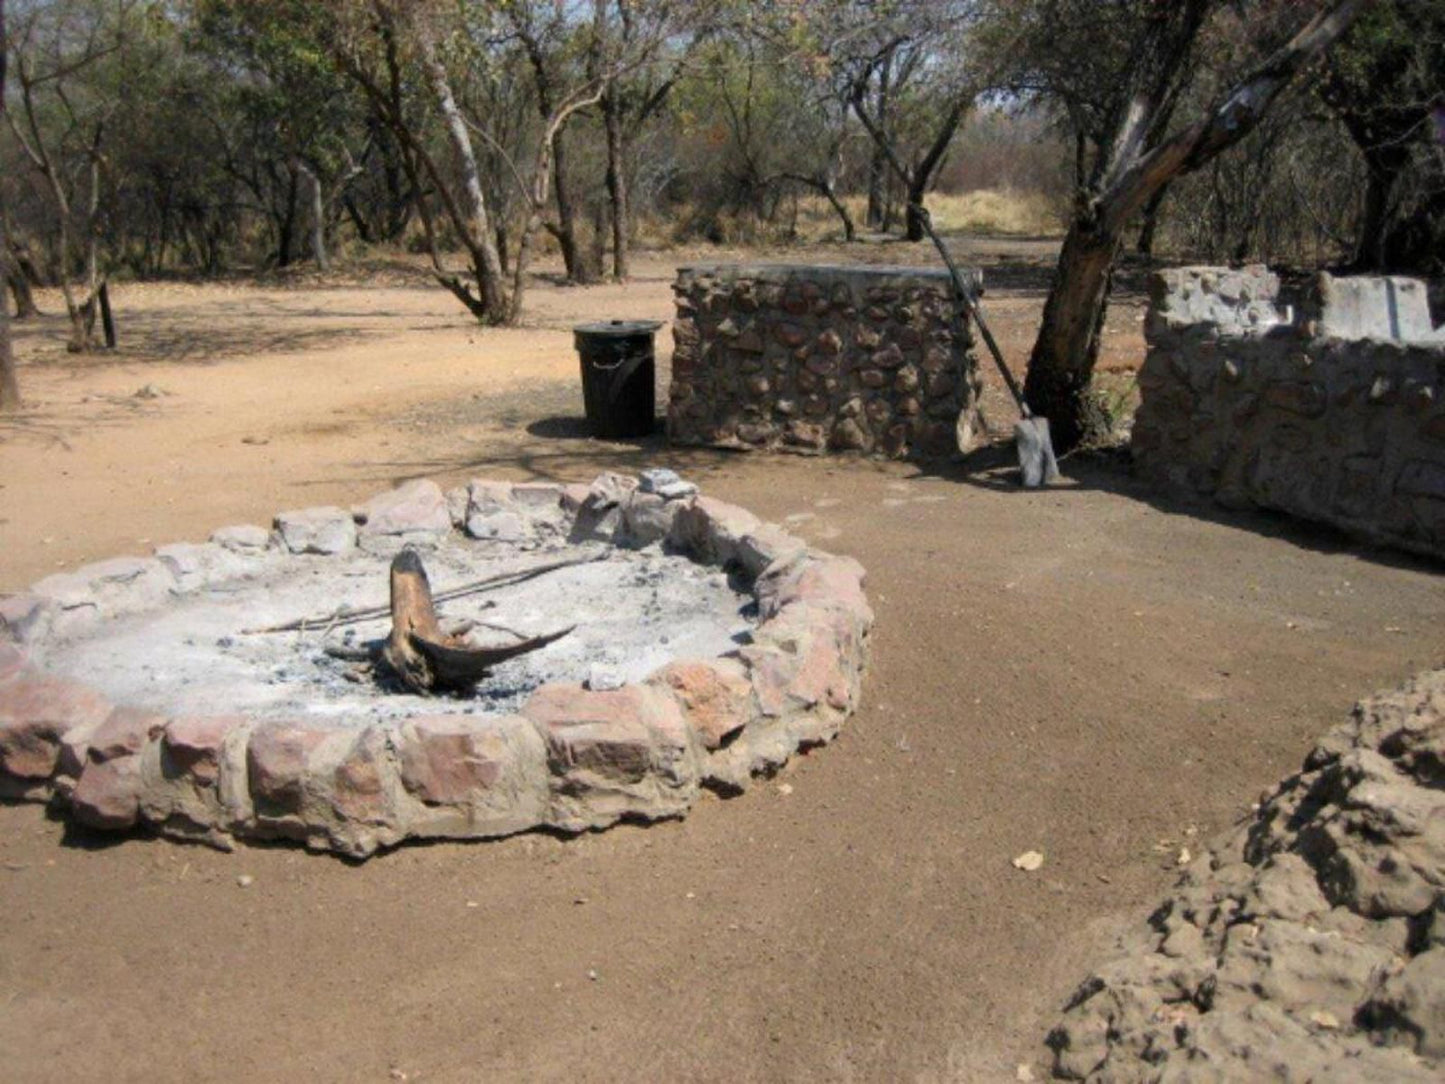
(1309, 944)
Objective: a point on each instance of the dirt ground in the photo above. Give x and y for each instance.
(1090, 671)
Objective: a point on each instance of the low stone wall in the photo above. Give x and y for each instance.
(815, 359)
(1331, 408)
(573, 758)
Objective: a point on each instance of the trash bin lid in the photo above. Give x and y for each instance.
(619, 327)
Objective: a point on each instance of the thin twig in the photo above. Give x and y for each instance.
(488, 583)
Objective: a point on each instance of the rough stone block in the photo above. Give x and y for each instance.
(477, 777)
(193, 778)
(712, 530)
(648, 517)
(246, 538)
(1375, 307)
(276, 766)
(196, 565)
(417, 507)
(324, 530)
(715, 696)
(123, 733)
(13, 662)
(35, 712)
(626, 752)
(108, 794)
(742, 401)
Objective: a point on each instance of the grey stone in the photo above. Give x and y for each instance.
(601, 678)
(245, 538)
(325, 530)
(665, 483)
(497, 526)
(194, 565)
(416, 507)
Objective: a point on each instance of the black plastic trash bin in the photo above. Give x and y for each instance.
(618, 374)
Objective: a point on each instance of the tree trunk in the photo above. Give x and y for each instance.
(850, 231)
(573, 259)
(877, 186)
(617, 194)
(879, 179)
(1150, 228)
(25, 306)
(1062, 364)
(1383, 168)
(923, 173)
(107, 318)
(317, 216)
(286, 227)
(363, 228)
(9, 382)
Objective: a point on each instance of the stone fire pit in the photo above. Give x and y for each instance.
(708, 647)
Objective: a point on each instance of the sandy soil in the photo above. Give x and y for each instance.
(1089, 671)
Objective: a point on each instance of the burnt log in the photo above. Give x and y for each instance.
(426, 658)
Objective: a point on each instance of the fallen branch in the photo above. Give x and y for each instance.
(346, 616)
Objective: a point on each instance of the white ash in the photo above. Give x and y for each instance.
(635, 610)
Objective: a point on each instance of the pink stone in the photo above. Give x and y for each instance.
(540, 495)
(573, 497)
(446, 759)
(831, 581)
(715, 696)
(621, 734)
(192, 746)
(123, 733)
(108, 794)
(358, 792)
(805, 657)
(325, 530)
(276, 762)
(35, 711)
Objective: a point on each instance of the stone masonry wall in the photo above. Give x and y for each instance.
(814, 359)
(1331, 408)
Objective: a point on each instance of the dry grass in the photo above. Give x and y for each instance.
(988, 212)
(997, 211)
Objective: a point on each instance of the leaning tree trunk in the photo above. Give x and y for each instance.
(850, 231)
(476, 218)
(1062, 364)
